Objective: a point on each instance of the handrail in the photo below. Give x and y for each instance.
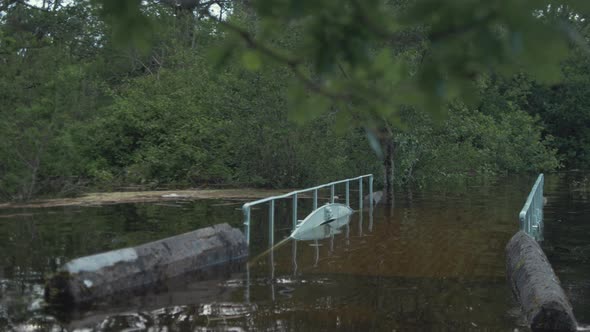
(246, 207)
(531, 215)
(264, 200)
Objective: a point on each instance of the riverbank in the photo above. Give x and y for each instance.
(97, 199)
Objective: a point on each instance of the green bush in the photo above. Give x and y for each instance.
(471, 143)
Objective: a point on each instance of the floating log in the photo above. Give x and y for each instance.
(87, 279)
(536, 287)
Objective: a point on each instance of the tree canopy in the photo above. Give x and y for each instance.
(107, 93)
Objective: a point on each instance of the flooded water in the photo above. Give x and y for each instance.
(567, 236)
(435, 261)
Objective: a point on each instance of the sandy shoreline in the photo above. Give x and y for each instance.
(97, 199)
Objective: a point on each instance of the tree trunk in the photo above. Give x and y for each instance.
(384, 135)
(536, 287)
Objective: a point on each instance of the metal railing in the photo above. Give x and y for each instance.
(531, 215)
(246, 208)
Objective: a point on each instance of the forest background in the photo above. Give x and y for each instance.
(104, 95)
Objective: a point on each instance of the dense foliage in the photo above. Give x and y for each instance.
(104, 94)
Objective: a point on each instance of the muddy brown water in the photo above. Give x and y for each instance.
(435, 261)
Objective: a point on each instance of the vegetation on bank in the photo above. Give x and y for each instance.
(190, 108)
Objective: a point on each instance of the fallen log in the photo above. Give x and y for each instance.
(87, 279)
(536, 287)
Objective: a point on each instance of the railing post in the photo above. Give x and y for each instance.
(332, 194)
(371, 217)
(348, 193)
(272, 272)
(361, 222)
(371, 190)
(360, 193)
(530, 224)
(541, 198)
(246, 208)
(315, 199)
(246, 211)
(271, 224)
(247, 293)
(294, 211)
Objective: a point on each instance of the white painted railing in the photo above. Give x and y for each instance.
(246, 208)
(531, 215)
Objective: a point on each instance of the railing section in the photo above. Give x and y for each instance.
(294, 195)
(531, 215)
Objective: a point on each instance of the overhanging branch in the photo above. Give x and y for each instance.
(295, 65)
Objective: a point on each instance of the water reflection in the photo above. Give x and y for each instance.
(436, 264)
(294, 254)
(566, 241)
(361, 222)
